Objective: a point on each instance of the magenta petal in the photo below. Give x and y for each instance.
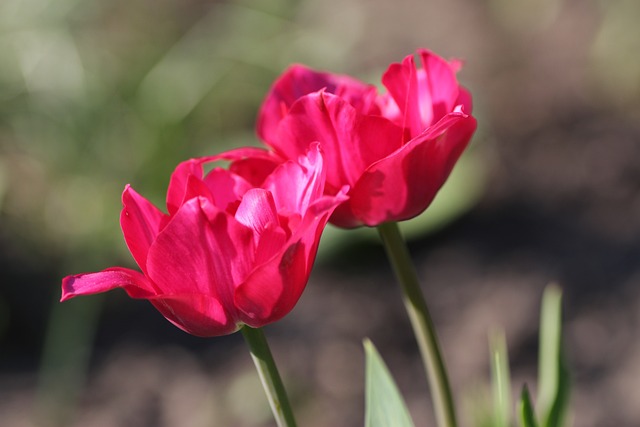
(423, 95)
(251, 163)
(465, 99)
(401, 80)
(254, 170)
(135, 284)
(241, 153)
(294, 185)
(441, 83)
(202, 250)
(403, 184)
(225, 188)
(197, 314)
(140, 222)
(178, 183)
(257, 211)
(344, 217)
(273, 289)
(196, 187)
(350, 141)
(298, 81)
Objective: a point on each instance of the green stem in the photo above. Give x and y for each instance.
(421, 322)
(269, 376)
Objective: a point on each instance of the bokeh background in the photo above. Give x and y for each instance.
(95, 94)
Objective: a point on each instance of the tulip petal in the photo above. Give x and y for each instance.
(178, 184)
(403, 184)
(140, 222)
(424, 95)
(273, 289)
(401, 81)
(465, 99)
(255, 170)
(269, 158)
(202, 250)
(225, 187)
(298, 81)
(257, 211)
(295, 184)
(344, 217)
(197, 314)
(134, 283)
(441, 82)
(350, 141)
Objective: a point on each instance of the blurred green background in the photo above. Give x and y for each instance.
(97, 94)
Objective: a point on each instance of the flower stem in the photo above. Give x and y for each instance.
(268, 372)
(421, 322)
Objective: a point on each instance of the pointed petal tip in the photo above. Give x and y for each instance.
(67, 288)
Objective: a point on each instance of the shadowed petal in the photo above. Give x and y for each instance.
(197, 314)
(273, 289)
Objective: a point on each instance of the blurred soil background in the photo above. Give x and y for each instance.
(97, 94)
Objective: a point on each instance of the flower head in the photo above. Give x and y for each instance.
(394, 150)
(236, 246)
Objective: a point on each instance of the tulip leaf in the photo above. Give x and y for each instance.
(500, 380)
(525, 409)
(384, 406)
(553, 377)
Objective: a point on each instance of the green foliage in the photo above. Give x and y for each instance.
(501, 380)
(526, 413)
(384, 406)
(553, 375)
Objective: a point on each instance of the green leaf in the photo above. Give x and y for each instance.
(525, 409)
(384, 406)
(553, 377)
(558, 410)
(500, 380)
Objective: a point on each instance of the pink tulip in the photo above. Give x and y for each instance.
(236, 246)
(394, 150)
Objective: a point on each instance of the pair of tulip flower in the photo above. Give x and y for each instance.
(238, 244)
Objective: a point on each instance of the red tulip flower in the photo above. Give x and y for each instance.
(236, 246)
(394, 150)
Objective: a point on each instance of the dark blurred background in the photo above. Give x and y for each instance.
(97, 94)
